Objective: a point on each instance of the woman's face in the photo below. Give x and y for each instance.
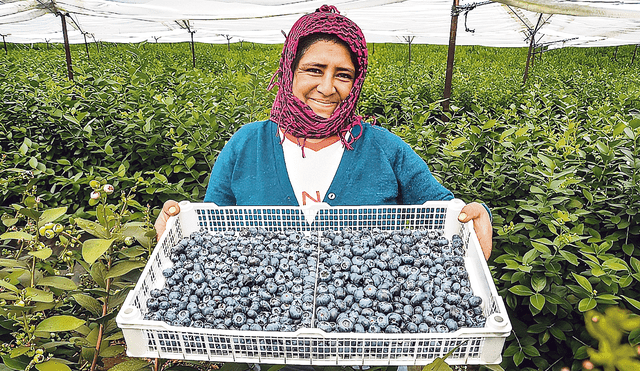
(324, 77)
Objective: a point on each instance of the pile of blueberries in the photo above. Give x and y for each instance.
(401, 281)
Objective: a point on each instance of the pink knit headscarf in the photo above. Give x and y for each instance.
(290, 113)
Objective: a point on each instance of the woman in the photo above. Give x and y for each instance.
(315, 148)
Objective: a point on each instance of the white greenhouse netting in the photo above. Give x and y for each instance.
(505, 23)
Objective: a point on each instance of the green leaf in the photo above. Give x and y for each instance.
(62, 283)
(17, 352)
(582, 281)
(92, 228)
(541, 248)
(111, 351)
(547, 161)
(457, 142)
(632, 301)
(30, 213)
(8, 221)
(530, 256)
(123, 268)
(518, 358)
(12, 263)
(615, 264)
(586, 304)
(17, 235)
(537, 301)
(59, 323)
(89, 303)
(51, 215)
(538, 282)
(41, 254)
(531, 351)
(138, 230)
(130, 365)
(494, 367)
(52, 365)
(438, 364)
(18, 363)
(98, 271)
(521, 290)
(557, 333)
(570, 257)
(9, 286)
(94, 248)
(190, 162)
(33, 162)
(39, 295)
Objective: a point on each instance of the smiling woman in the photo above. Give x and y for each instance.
(323, 77)
(315, 148)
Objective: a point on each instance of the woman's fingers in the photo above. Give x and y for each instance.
(169, 209)
(481, 224)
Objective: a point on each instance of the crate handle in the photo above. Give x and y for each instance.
(310, 332)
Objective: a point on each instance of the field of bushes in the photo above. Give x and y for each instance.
(557, 160)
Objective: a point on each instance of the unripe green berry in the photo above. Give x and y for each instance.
(49, 233)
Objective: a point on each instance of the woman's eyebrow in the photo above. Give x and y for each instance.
(322, 65)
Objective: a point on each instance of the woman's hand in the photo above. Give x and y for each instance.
(481, 224)
(169, 209)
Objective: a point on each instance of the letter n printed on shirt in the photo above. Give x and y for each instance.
(305, 195)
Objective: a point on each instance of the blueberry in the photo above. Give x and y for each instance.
(392, 329)
(346, 324)
(475, 301)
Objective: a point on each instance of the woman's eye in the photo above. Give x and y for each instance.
(345, 76)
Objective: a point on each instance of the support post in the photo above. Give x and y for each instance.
(67, 50)
(532, 40)
(615, 54)
(228, 42)
(193, 49)
(450, 57)
(632, 58)
(409, 40)
(7, 52)
(86, 45)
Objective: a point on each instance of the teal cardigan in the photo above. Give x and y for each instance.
(380, 170)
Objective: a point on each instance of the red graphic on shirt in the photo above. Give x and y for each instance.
(305, 195)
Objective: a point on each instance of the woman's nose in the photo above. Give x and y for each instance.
(326, 86)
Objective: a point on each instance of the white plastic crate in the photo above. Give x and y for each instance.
(311, 346)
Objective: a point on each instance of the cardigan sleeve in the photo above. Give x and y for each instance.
(416, 184)
(219, 189)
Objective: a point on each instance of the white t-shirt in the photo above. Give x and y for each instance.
(311, 175)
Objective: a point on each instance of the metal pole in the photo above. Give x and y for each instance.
(526, 67)
(632, 59)
(7, 52)
(193, 50)
(67, 51)
(531, 43)
(86, 46)
(450, 57)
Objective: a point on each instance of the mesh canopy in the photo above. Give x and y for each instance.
(504, 23)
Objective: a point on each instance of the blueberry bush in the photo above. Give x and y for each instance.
(556, 159)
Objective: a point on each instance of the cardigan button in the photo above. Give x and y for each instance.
(331, 196)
